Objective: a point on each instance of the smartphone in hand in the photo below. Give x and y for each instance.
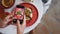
(19, 13)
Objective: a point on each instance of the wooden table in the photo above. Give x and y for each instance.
(40, 29)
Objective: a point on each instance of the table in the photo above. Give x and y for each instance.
(11, 29)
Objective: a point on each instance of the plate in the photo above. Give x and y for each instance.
(7, 3)
(34, 13)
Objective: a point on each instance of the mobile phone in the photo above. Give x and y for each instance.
(19, 13)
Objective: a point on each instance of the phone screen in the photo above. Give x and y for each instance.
(19, 12)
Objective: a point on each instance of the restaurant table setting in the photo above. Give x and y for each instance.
(34, 8)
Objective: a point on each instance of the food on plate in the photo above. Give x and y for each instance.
(18, 12)
(28, 13)
(7, 3)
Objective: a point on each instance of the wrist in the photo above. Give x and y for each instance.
(2, 24)
(21, 32)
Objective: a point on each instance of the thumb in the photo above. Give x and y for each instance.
(18, 23)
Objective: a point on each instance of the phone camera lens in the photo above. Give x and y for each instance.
(14, 20)
(21, 21)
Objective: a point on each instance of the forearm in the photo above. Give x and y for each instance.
(19, 31)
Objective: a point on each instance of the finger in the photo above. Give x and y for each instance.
(9, 16)
(14, 18)
(24, 21)
(18, 23)
(8, 21)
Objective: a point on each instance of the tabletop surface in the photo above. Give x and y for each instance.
(11, 29)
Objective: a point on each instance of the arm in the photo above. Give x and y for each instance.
(19, 30)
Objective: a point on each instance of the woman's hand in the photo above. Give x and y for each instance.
(21, 27)
(5, 21)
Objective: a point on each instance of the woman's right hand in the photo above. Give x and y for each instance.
(6, 21)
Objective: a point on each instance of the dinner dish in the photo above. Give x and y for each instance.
(7, 3)
(31, 13)
(28, 13)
